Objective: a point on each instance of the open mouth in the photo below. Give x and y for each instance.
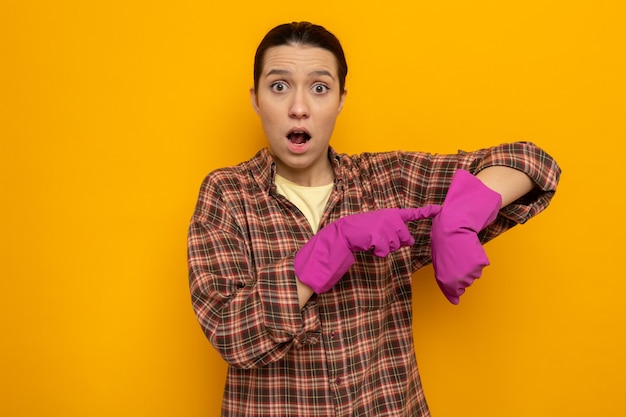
(298, 137)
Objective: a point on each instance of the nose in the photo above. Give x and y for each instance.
(299, 107)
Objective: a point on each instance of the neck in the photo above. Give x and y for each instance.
(310, 177)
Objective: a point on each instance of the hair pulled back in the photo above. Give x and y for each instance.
(301, 33)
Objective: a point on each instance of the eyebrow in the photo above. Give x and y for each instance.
(287, 72)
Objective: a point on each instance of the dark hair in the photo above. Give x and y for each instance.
(301, 33)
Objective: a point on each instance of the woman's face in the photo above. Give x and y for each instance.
(298, 101)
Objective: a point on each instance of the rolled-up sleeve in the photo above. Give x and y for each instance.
(427, 178)
(537, 164)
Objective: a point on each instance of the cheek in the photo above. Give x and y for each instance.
(330, 117)
(267, 117)
(272, 112)
(271, 125)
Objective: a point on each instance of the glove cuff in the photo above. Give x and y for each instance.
(479, 203)
(320, 265)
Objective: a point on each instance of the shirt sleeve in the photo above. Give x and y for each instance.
(251, 316)
(528, 158)
(428, 179)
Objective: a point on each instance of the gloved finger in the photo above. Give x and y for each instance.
(405, 237)
(383, 249)
(391, 242)
(452, 298)
(385, 242)
(419, 213)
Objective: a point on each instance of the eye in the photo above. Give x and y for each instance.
(320, 89)
(279, 87)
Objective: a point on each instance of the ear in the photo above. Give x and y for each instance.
(254, 100)
(342, 100)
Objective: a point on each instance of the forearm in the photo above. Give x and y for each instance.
(304, 292)
(510, 183)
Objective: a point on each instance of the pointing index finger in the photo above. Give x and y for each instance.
(419, 213)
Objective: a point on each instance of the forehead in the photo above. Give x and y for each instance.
(294, 58)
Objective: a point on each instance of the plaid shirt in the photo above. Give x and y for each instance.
(348, 352)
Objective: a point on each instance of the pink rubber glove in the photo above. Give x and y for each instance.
(458, 256)
(328, 255)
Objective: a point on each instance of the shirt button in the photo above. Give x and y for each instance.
(332, 335)
(338, 381)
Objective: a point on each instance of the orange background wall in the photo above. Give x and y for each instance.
(111, 113)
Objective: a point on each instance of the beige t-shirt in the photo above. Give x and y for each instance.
(310, 200)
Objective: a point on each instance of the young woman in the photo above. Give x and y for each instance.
(300, 259)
